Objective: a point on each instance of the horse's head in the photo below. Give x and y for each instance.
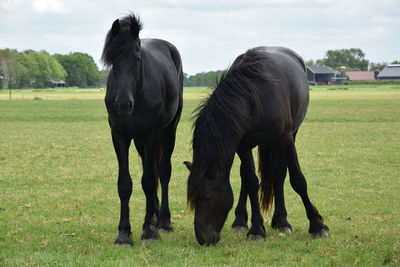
(211, 197)
(122, 51)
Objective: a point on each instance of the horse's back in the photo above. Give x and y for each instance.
(164, 53)
(164, 76)
(280, 52)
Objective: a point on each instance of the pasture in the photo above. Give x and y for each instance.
(59, 203)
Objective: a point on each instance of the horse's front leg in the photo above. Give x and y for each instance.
(121, 147)
(149, 185)
(241, 216)
(250, 181)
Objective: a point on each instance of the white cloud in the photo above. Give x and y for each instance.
(49, 6)
(10, 4)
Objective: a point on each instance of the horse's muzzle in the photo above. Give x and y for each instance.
(124, 107)
(207, 237)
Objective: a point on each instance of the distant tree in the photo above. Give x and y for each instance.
(81, 69)
(203, 79)
(353, 58)
(310, 63)
(396, 62)
(34, 73)
(13, 68)
(43, 68)
(29, 69)
(103, 78)
(1, 78)
(186, 80)
(377, 66)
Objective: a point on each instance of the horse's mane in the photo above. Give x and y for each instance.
(228, 105)
(118, 44)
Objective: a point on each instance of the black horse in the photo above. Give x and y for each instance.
(261, 100)
(144, 103)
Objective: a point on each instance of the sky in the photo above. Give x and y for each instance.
(209, 34)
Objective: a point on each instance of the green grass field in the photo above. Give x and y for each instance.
(58, 181)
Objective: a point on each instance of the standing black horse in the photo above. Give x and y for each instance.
(144, 103)
(261, 100)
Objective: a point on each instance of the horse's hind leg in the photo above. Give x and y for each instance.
(299, 184)
(247, 172)
(121, 147)
(278, 170)
(168, 144)
(149, 185)
(164, 220)
(241, 215)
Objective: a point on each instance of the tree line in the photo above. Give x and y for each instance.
(202, 79)
(31, 69)
(352, 59)
(38, 69)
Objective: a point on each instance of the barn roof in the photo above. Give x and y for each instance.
(360, 75)
(320, 70)
(392, 70)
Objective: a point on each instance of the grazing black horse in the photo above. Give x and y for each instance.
(261, 100)
(144, 103)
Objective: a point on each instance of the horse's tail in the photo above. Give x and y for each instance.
(267, 183)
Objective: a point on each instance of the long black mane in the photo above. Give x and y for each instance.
(228, 105)
(118, 44)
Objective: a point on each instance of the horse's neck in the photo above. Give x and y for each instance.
(225, 137)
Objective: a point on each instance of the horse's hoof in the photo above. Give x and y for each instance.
(255, 237)
(256, 232)
(149, 235)
(123, 240)
(240, 228)
(285, 230)
(323, 233)
(165, 226)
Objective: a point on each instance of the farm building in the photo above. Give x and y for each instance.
(360, 75)
(319, 75)
(390, 72)
(54, 83)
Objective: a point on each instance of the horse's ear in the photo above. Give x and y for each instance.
(115, 27)
(188, 165)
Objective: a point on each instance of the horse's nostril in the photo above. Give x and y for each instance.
(124, 107)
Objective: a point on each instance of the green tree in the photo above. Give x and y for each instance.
(103, 78)
(353, 58)
(377, 66)
(81, 69)
(310, 63)
(1, 78)
(32, 65)
(43, 68)
(202, 79)
(13, 68)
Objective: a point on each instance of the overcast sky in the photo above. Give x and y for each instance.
(208, 33)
